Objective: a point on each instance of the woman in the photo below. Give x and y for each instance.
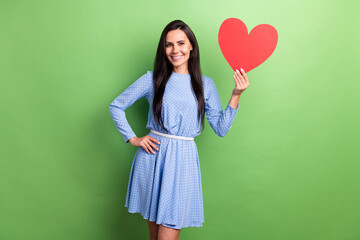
(165, 181)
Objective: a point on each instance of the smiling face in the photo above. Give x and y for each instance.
(177, 48)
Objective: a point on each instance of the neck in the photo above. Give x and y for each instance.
(181, 70)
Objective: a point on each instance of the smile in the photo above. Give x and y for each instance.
(177, 58)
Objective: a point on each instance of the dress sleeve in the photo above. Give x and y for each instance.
(219, 120)
(140, 88)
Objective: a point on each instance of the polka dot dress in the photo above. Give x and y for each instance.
(165, 187)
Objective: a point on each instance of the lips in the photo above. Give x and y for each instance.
(176, 58)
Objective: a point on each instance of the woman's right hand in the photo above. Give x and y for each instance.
(145, 142)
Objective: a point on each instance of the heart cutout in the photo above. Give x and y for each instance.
(243, 50)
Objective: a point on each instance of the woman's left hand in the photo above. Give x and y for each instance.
(241, 81)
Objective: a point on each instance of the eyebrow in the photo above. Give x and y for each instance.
(177, 41)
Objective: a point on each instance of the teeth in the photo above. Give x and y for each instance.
(177, 58)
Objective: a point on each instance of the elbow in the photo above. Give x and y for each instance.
(111, 108)
(223, 131)
(219, 130)
(114, 106)
(221, 134)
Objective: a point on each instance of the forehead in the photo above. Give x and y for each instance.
(175, 35)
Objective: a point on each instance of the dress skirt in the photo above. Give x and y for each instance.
(165, 187)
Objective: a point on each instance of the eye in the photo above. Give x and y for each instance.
(181, 43)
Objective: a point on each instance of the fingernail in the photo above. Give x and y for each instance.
(237, 70)
(242, 70)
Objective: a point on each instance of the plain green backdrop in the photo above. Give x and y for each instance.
(287, 170)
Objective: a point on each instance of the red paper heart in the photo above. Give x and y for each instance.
(246, 51)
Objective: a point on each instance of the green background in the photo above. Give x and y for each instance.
(288, 168)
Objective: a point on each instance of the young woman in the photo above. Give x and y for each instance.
(165, 181)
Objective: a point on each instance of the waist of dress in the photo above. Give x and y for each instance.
(172, 136)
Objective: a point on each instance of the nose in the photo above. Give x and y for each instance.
(175, 49)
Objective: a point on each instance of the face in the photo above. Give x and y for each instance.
(177, 48)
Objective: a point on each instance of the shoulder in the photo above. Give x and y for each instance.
(207, 81)
(146, 78)
(144, 83)
(149, 74)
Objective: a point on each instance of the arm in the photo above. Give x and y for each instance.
(219, 120)
(242, 82)
(140, 88)
(234, 100)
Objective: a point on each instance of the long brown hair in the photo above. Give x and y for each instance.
(163, 70)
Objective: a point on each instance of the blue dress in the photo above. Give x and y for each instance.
(165, 187)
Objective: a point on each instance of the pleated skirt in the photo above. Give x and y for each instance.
(165, 187)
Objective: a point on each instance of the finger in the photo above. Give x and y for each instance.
(243, 72)
(239, 74)
(145, 148)
(238, 82)
(148, 147)
(154, 140)
(245, 76)
(243, 82)
(240, 79)
(242, 86)
(153, 145)
(236, 79)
